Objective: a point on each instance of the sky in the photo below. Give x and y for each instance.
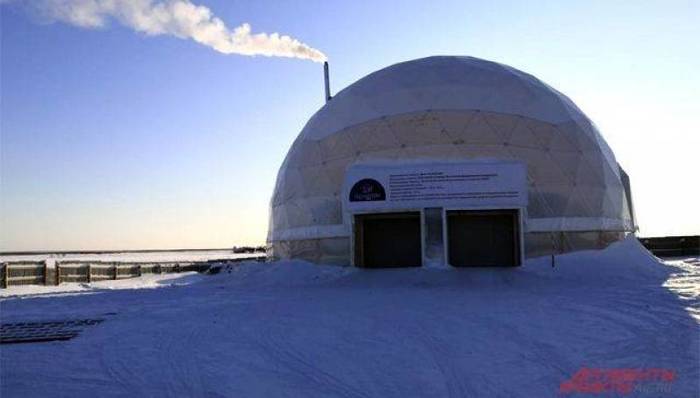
(112, 138)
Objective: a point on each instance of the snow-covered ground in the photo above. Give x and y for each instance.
(147, 281)
(296, 329)
(194, 255)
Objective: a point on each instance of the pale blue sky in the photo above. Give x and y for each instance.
(112, 139)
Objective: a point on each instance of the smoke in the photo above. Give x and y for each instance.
(179, 18)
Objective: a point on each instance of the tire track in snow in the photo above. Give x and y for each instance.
(639, 328)
(113, 363)
(295, 362)
(184, 379)
(442, 358)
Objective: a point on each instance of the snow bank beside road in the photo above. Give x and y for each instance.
(623, 261)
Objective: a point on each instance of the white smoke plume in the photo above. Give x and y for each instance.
(179, 18)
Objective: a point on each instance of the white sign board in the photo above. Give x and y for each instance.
(405, 186)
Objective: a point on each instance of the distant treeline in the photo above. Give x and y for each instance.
(673, 246)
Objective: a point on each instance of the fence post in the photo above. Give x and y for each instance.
(89, 273)
(115, 271)
(139, 269)
(5, 271)
(552, 252)
(46, 272)
(562, 240)
(58, 273)
(177, 267)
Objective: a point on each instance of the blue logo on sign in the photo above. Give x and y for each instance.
(367, 190)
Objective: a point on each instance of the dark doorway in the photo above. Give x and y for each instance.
(386, 240)
(483, 238)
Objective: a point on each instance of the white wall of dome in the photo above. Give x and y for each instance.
(451, 109)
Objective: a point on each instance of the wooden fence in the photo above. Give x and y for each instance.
(24, 273)
(39, 273)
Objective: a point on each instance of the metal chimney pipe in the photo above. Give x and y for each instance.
(326, 81)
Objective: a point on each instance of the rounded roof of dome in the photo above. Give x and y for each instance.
(442, 83)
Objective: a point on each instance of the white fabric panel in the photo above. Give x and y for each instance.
(441, 83)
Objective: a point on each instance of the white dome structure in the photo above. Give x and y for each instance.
(443, 138)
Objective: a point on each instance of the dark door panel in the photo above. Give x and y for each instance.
(483, 238)
(388, 240)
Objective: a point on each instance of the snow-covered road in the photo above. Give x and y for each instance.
(295, 329)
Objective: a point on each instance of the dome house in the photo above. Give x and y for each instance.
(447, 160)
